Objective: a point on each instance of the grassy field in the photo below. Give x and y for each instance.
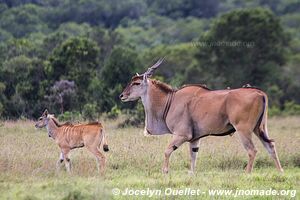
(28, 158)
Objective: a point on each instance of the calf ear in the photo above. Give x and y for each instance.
(45, 113)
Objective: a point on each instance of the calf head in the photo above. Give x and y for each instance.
(43, 120)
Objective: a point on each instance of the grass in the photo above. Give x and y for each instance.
(28, 158)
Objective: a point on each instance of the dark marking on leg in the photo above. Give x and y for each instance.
(264, 137)
(105, 148)
(61, 160)
(79, 146)
(195, 149)
(174, 147)
(68, 159)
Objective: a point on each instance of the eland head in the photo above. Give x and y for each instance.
(139, 84)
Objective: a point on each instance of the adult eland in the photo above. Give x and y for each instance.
(194, 111)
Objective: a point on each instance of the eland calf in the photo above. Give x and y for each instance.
(69, 136)
(193, 112)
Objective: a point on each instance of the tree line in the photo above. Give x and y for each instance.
(75, 57)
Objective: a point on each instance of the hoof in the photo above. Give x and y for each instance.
(247, 170)
(191, 173)
(165, 171)
(281, 170)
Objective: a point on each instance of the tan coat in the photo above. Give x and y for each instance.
(69, 136)
(194, 111)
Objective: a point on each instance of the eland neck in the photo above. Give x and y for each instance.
(154, 102)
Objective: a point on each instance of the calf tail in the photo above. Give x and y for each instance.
(105, 145)
(261, 127)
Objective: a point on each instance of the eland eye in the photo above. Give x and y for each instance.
(40, 118)
(136, 83)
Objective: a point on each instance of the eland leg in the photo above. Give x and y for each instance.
(270, 146)
(194, 147)
(173, 145)
(101, 160)
(246, 139)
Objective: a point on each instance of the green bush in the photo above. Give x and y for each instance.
(121, 65)
(114, 112)
(70, 116)
(291, 108)
(135, 117)
(1, 109)
(274, 111)
(233, 46)
(89, 112)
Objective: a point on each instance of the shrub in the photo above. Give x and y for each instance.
(291, 108)
(274, 111)
(114, 112)
(70, 116)
(1, 109)
(122, 64)
(135, 117)
(89, 112)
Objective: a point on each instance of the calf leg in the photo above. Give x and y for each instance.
(60, 161)
(194, 147)
(173, 145)
(67, 159)
(101, 160)
(246, 139)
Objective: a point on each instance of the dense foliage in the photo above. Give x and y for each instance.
(74, 57)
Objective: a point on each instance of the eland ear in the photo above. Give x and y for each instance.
(145, 78)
